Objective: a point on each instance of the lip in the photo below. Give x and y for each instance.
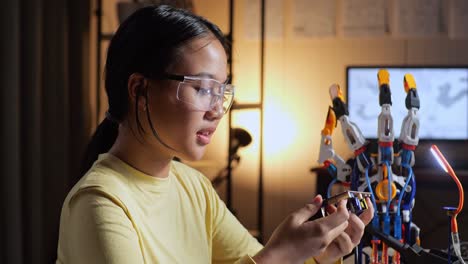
(204, 135)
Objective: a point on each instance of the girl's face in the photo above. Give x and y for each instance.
(186, 129)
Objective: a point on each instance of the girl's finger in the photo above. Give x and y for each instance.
(355, 229)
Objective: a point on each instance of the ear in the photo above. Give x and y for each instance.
(137, 89)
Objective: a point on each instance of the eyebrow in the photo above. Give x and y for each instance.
(209, 75)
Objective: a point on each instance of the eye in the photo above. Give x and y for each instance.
(203, 91)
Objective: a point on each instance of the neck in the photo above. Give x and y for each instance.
(137, 153)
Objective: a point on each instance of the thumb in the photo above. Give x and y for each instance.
(306, 212)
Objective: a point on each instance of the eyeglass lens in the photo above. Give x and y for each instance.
(205, 95)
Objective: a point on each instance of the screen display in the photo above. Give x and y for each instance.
(443, 94)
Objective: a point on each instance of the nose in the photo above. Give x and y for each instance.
(216, 111)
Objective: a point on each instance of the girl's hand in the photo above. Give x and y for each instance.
(296, 239)
(348, 240)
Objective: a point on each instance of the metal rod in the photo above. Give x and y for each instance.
(262, 86)
(98, 60)
(231, 33)
(229, 164)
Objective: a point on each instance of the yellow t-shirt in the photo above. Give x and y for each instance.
(117, 214)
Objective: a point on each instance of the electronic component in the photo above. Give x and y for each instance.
(356, 201)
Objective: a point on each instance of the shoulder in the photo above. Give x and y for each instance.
(194, 182)
(190, 175)
(101, 182)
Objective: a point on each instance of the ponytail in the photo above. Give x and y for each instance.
(102, 140)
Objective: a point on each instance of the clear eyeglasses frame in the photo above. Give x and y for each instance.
(204, 94)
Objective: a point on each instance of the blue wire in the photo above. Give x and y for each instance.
(413, 189)
(330, 187)
(404, 187)
(390, 181)
(370, 189)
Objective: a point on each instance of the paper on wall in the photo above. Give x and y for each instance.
(362, 18)
(416, 18)
(314, 18)
(273, 19)
(458, 19)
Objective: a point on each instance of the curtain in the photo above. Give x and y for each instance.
(45, 120)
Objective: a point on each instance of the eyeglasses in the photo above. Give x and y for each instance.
(204, 94)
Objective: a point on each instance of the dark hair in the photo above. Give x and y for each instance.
(147, 42)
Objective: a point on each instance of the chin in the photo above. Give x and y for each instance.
(193, 157)
(194, 154)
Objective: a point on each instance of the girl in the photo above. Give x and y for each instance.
(167, 88)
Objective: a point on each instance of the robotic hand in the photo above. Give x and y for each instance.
(385, 121)
(350, 130)
(340, 170)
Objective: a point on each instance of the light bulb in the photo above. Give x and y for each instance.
(438, 156)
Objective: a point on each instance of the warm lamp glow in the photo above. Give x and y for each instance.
(250, 121)
(244, 175)
(279, 131)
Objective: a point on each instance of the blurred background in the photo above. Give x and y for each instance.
(263, 159)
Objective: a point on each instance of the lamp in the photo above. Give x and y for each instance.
(448, 169)
(239, 138)
(452, 212)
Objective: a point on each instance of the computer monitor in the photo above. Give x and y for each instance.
(443, 93)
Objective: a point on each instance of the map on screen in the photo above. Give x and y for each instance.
(443, 94)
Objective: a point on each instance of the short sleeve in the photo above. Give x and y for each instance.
(100, 231)
(231, 241)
